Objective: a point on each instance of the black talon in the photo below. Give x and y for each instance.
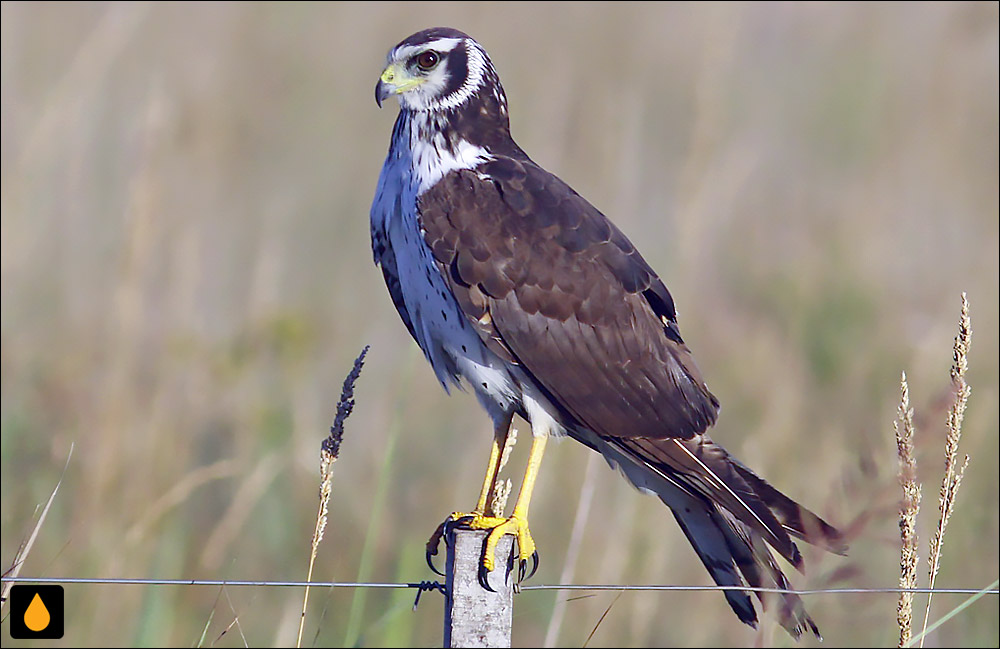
(535, 560)
(430, 562)
(432, 547)
(442, 532)
(522, 566)
(484, 575)
(484, 578)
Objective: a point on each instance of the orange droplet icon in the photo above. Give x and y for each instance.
(37, 616)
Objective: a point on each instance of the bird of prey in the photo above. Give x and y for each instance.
(512, 283)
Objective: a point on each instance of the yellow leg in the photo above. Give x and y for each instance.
(517, 524)
(477, 519)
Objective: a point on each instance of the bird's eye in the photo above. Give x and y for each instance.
(427, 60)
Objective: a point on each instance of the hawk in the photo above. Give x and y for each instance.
(512, 283)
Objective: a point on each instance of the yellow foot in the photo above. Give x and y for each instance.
(499, 526)
(455, 518)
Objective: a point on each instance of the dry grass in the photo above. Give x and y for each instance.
(909, 508)
(950, 483)
(328, 454)
(952, 479)
(24, 549)
(186, 271)
(502, 487)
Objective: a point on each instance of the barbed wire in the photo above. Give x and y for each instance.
(425, 585)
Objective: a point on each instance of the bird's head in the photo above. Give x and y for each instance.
(437, 70)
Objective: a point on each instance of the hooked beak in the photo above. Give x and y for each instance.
(382, 92)
(395, 80)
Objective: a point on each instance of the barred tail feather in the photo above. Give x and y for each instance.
(730, 516)
(712, 546)
(761, 571)
(796, 519)
(736, 556)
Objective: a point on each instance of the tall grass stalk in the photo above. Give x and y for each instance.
(22, 552)
(909, 508)
(328, 454)
(950, 483)
(952, 479)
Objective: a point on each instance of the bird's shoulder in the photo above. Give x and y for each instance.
(509, 225)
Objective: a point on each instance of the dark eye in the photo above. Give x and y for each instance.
(427, 60)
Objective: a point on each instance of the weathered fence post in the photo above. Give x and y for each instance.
(474, 616)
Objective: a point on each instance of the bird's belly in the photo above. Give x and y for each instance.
(442, 330)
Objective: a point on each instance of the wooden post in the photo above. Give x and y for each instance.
(474, 616)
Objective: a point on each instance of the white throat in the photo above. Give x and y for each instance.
(432, 157)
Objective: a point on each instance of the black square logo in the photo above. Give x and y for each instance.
(36, 612)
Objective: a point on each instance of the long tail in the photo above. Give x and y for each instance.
(730, 515)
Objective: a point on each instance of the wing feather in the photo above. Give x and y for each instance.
(569, 298)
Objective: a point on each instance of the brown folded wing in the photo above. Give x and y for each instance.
(554, 286)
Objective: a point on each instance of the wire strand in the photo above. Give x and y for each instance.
(418, 584)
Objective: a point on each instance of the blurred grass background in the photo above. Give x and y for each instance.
(187, 277)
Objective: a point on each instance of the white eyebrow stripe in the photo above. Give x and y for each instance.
(441, 45)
